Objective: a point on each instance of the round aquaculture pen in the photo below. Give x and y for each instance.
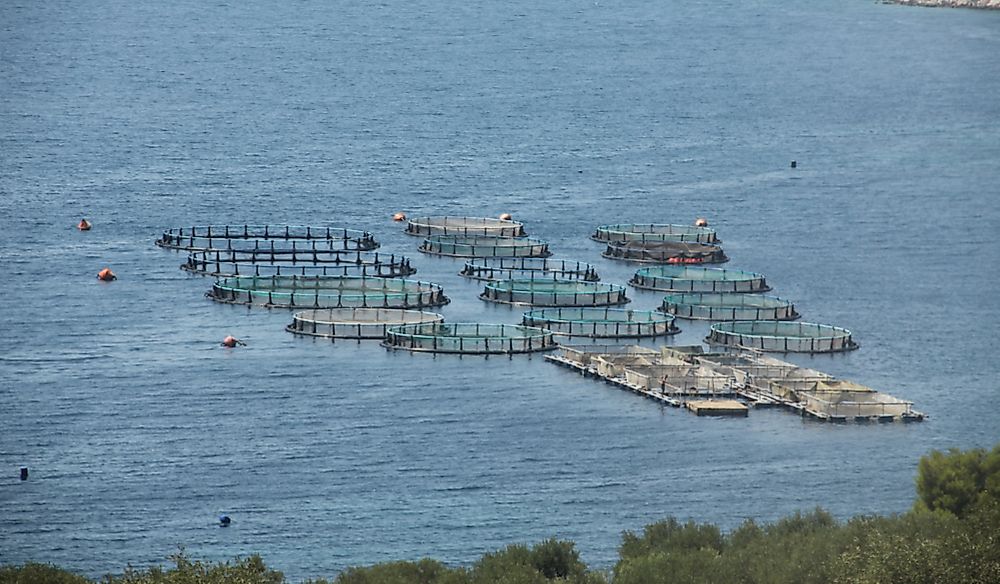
(485, 246)
(544, 292)
(781, 336)
(327, 292)
(232, 262)
(464, 226)
(728, 306)
(356, 323)
(653, 232)
(528, 269)
(666, 252)
(602, 322)
(209, 237)
(469, 338)
(697, 279)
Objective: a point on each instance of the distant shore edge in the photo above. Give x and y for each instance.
(982, 4)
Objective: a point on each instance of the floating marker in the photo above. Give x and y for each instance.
(701, 222)
(84, 225)
(24, 473)
(106, 275)
(794, 164)
(231, 341)
(506, 217)
(399, 217)
(224, 521)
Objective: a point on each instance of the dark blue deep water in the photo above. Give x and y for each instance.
(139, 430)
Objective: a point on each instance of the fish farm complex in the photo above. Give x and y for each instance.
(340, 289)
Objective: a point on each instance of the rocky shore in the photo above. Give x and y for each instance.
(984, 4)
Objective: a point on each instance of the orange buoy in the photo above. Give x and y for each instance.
(506, 216)
(231, 341)
(106, 275)
(701, 222)
(84, 225)
(399, 217)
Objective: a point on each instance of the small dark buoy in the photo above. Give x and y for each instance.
(24, 473)
(106, 275)
(794, 164)
(224, 521)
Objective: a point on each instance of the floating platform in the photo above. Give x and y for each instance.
(554, 293)
(678, 376)
(327, 292)
(501, 268)
(717, 407)
(602, 322)
(653, 232)
(209, 237)
(464, 226)
(666, 252)
(698, 279)
(485, 246)
(781, 337)
(728, 306)
(231, 262)
(469, 338)
(356, 323)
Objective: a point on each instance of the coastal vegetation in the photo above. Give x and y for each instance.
(951, 535)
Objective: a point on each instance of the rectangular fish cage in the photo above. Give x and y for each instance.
(855, 404)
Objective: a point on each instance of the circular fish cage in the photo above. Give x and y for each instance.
(233, 262)
(464, 226)
(208, 237)
(653, 232)
(728, 306)
(327, 292)
(355, 323)
(781, 336)
(528, 269)
(485, 246)
(697, 279)
(469, 338)
(666, 252)
(545, 292)
(602, 322)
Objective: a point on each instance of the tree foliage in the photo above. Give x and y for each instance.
(958, 481)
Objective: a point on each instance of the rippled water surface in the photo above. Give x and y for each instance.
(139, 430)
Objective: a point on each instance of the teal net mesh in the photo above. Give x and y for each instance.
(653, 232)
(698, 279)
(728, 306)
(261, 236)
(469, 338)
(598, 322)
(528, 269)
(327, 292)
(485, 246)
(542, 292)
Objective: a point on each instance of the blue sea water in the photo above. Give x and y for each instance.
(139, 430)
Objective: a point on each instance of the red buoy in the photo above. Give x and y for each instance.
(231, 341)
(84, 225)
(106, 275)
(399, 217)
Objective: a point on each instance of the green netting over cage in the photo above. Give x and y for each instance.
(231, 262)
(485, 246)
(327, 292)
(544, 292)
(208, 237)
(653, 232)
(666, 252)
(356, 323)
(782, 336)
(697, 279)
(528, 269)
(728, 306)
(469, 338)
(602, 322)
(464, 226)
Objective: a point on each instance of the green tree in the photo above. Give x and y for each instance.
(38, 574)
(958, 480)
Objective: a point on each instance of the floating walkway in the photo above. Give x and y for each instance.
(781, 337)
(210, 237)
(698, 279)
(232, 262)
(653, 232)
(469, 338)
(464, 226)
(501, 268)
(678, 376)
(728, 306)
(666, 252)
(485, 246)
(356, 323)
(605, 323)
(327, 292)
